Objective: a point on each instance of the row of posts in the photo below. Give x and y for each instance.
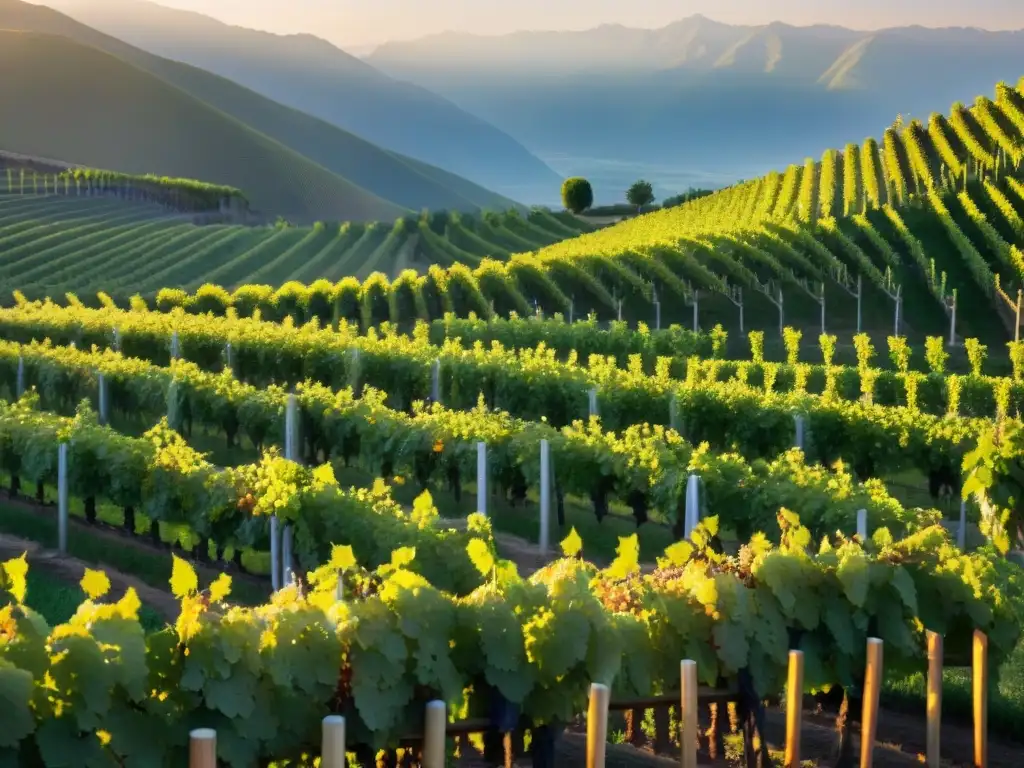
(281, 539)
(203, 741)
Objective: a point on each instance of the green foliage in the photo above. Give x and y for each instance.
(976, 354)
(639, 194)
(577, 194)
(899, 353)
(540, 641)
(791, 338)
(935, 354)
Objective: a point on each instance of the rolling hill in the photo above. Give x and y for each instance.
(55, 239)
(917, 233)
(76, 103)
(312, 75)
(408, 183)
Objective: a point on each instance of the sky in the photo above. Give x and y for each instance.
(366, 23)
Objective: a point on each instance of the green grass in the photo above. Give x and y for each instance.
(1006, 699)
(150, 566)
(57, 601)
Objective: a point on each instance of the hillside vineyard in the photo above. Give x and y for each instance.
(58, 237)
(436, 486)
(928, 219)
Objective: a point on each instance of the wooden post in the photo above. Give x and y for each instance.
(434, 728)
(794, 708)
(597, 725)
(202, 748)
(691, 516)
(869, 714)
(934, 698)
(62, 497)
(103, 404)
(688, 723)
(172, 405)
(286, 556)
(481, 478)
(291, 428)
(979, 686)
(275, 556)
(435, 381)
(545, 496)
(332, 747)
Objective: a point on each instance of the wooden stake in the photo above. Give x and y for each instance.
(794, 708)
(434, 729)
(597, 725)
(979, 685)
(332, 747)
(202, 748)
(934, 698)
(869, 715)
(688, 713)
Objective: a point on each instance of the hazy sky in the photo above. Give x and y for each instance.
(361, 23)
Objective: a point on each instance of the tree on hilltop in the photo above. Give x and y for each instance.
(577, 194)
(639, 194)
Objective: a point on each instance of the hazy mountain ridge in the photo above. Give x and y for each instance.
(697, 97)
(398, 179)
(308, 73)
(697, 44)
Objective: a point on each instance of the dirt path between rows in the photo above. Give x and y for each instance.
(71, 569)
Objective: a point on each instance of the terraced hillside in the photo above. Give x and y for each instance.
(925, 211)
(920, 235)
(50, 244)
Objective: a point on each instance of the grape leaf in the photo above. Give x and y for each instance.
(572, 544)
(15, 700)
(480, 554)
(16, 571)
(95, 584)
(183, 578)
(220, 588)
(342, 557)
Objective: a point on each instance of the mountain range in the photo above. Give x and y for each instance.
(75, 94)
(442, 121)
(699, 98)
(309, 74)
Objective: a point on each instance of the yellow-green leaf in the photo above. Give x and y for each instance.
(95, 584)
(402, 556)
(16, 571)
(572, 544)
(183, 578)
(628, 559)
(128, 606)
(342, 557)
(480, 554)
(220, 588)
(678, 553)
